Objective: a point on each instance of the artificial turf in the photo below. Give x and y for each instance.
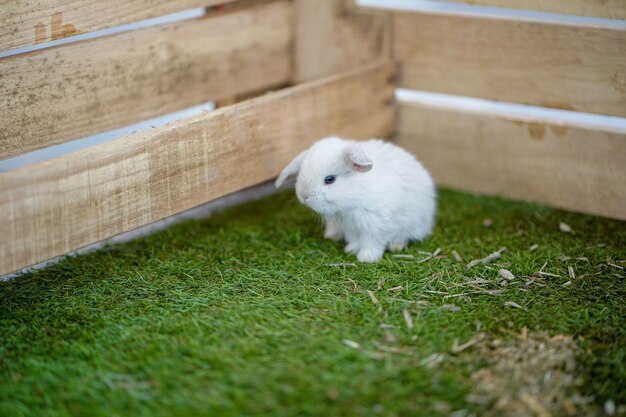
(249, 312)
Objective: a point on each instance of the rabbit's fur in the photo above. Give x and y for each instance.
(381, 197)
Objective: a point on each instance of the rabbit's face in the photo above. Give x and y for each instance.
(327, 180)
(321, 183)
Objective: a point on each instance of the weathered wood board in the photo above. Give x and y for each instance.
(610, 9)
(563, 166)
(31, 22)
(550, 65)
(54, 207)
(68, 92)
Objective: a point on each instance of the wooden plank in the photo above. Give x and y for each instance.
(57, 206)
(550, 65)
(333, 36)
(229, 101)
(564, 166)
(609, 9)
(30, 22)
(69, 92)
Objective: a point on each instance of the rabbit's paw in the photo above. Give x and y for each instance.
(397, 246)
(332, 232)
(352, 248)
(370, 254)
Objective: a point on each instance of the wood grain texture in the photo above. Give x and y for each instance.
(29, 22)
(57, 206)
(69, 92)
(567, 167)
(332, 36)
(610, 9)
(547, 65)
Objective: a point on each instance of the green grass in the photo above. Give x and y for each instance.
(240, 315)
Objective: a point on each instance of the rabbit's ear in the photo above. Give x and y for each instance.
(290, 170)
(357, 159)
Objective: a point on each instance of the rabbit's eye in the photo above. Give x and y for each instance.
(329, 179)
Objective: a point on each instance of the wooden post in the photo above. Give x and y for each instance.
(333, 36)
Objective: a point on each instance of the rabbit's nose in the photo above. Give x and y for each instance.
(306, 193)
(303, 195)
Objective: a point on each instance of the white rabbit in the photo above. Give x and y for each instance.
(373, 194)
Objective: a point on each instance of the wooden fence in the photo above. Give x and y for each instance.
(313, 68)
